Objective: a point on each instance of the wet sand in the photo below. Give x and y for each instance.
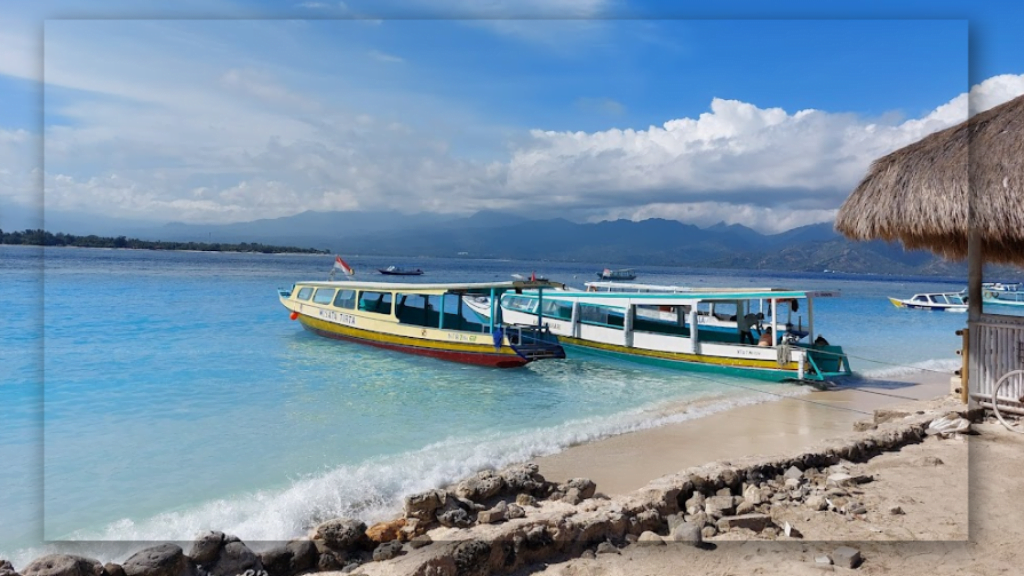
(624, 463)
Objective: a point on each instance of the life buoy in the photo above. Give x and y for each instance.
(294, 315)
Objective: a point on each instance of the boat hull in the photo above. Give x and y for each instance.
(400, 273)
(762, 370)
(480, 355)
(928, 306)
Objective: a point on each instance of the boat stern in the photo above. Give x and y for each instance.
(827, 362)
(533, 343)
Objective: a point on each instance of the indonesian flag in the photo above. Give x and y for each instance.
(340, 264)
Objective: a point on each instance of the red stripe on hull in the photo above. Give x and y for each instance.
(479, 359)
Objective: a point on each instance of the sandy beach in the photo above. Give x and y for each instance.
(937, 506)
(628, 462)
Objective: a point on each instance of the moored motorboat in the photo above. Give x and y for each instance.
(622, 274)
(942, 301)
(396, 271)
(612, 323)
(423, 319)
(1003, 294)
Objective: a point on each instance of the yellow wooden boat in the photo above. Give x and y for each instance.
(423, 319)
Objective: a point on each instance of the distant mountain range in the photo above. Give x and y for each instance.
(618, 243)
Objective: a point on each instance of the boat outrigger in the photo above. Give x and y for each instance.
(423, 319)
(614, 323)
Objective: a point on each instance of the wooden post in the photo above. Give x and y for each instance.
(965, 370)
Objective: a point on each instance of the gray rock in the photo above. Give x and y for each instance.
(792, 483)
(349, 568)
(744, 508)
(471, 558)
(64, 565)
(649, 538)
(586, 487)
(162, 560)
(110, 568)
(206, 547)
(754, 495)
(481, 486)
(687, 533)
(791, 532)
(420, 541)
(524, 478)
(341, 534)
(235, 558)
(896, 510)
(289, 559)
(718, 506)
(515, 511)
(695, 503)
(422, 506)
(823, 560)
(708, 531)
(724, 492)
(457, 518)
(496, 514)
(755, 522)
(674, 520)
(588, 554)
(572, 496)
(793, 473)
(526, 500)
(607, 548)
(7, 569)
(387, 551)
(847, 557)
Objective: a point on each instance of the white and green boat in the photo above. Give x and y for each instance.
(623, 324)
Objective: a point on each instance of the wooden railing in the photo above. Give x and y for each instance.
(996, 347)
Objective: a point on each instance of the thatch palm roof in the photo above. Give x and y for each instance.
(918, 194)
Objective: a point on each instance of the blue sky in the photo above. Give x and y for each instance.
(588, 109)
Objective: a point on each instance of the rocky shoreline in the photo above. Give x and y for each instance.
(497, 522)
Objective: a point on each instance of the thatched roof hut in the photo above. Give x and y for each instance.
(919, 193)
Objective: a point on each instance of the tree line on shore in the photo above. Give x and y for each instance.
(44, 238)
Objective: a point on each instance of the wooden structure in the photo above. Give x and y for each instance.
(959, 193)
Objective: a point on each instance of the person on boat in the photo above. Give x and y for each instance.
(820, 341)
(745, 323)
(766, 338)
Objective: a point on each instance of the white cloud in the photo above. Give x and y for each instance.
(383, 57)
(234, 138)
(994, 91)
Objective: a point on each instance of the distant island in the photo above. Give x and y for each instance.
(44, 238)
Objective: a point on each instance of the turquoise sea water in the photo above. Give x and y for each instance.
(151, 395)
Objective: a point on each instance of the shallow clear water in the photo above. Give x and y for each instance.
(171, 393)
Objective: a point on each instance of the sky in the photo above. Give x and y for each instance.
(216, 112)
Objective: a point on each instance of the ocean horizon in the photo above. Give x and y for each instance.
(158, 394)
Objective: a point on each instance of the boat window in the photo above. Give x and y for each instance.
(345, 299)
(919, 298)
(590, 314)
(304, 293)
(417, 309)
(379, 302)
(518, 303)
(557, 309)
(955, 299)
(323, 295)
(933, 299)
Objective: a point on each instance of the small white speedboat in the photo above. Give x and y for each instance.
(945, 301)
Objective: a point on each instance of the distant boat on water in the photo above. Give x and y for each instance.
(621, 274)
(943, 301)
(396, 271)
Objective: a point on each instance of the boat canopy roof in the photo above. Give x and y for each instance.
(638, 287)
(625, 299)
(437, 288)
